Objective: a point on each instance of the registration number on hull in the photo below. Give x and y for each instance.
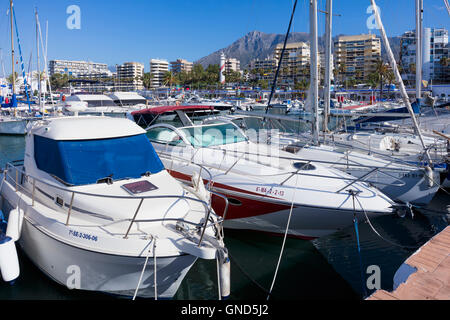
(82, 235)
(271, 191)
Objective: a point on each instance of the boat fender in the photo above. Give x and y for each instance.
(199, 187)
(9, 261)
(224, 273)
(14, 228)
(429, 176)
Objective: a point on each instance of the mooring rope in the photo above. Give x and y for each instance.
(377, 233)
(143, 270)
(284, 238)
(247, 275)
(355, 222)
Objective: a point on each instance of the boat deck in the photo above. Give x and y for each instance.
(431, 281)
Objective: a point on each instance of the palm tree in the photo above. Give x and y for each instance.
(10, 79)
(381, 68)
(390, 77)
(169, 78)
(147, 80)
(341, 72)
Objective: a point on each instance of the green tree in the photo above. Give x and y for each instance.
(381, 68)
(147, 80)
(10, 79)
(59, 81)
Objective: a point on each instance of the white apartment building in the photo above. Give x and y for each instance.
(158, 68)
(434, 48)
(130, 76)
(75, 68)
(323, 64)
(232, 64)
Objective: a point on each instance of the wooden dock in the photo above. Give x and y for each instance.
(425, 275)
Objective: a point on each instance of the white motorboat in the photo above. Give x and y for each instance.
(12, 125)
(93, 207)
(99, 104)
(400, 181)
(264, 185)
(129, 99)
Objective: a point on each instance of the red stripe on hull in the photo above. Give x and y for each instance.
(247, 207)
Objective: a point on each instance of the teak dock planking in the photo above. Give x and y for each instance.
(431, 281)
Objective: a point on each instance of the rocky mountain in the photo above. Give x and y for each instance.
(260, 45)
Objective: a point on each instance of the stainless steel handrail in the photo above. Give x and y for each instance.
(208, 210)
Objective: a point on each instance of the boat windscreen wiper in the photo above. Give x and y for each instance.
(107, 179)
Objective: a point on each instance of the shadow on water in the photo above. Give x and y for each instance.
(11, 148)
(403, 237)
(303, 273)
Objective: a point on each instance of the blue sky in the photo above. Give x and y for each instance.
(116, 31)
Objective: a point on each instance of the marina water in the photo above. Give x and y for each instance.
(325, 268)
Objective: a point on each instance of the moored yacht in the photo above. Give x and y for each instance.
(93, 207)
(264, 185)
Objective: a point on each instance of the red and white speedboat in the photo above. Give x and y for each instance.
(263, 184)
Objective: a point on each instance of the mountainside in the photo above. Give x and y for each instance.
(260, 45)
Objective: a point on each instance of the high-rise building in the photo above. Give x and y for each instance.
(322, 63)
(232, 64)
(263, 69)
(130, 76)
(75, 68)
(408, 56)
(158, 68)
(295, 62)
(356, 56)
(181, 65)
(435, 49)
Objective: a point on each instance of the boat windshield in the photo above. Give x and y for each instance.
(213, 135)
(100, 103)
(81, 162)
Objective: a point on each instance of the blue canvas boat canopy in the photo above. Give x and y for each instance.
(82, 162)
(12, 103)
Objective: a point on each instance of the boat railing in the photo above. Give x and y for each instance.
(16, 176)
(240, 155)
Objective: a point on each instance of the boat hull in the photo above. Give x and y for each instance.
(13, 127)
(248, 211)
(82, 269)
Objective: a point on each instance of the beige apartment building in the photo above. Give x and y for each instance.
(181, 65)
(263, 69)
(356, 56)
(295, 63)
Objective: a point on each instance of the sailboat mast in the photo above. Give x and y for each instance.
(327, 82)
(12, 47)
(38, 60)
(399, 79)
(314, 69)
(418, 36)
